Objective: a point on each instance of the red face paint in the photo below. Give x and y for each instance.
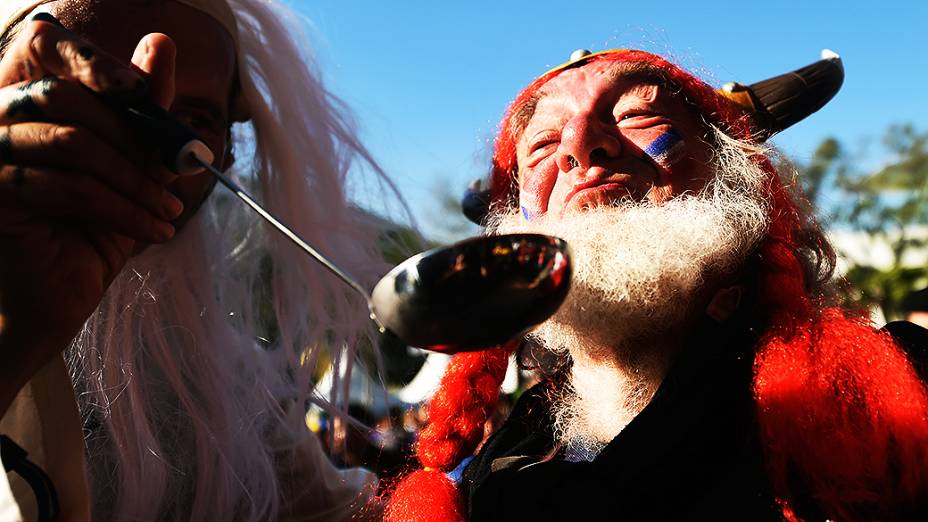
(535, 192)
(596, 137)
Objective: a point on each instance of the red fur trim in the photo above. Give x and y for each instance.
(844, 418)
(842, 414)
(425, 496)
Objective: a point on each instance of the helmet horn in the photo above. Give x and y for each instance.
(779, 102)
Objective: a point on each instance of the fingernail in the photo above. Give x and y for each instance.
(163, 231)
(47, 17)
(171, 206)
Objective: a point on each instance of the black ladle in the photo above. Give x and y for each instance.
(475, 294)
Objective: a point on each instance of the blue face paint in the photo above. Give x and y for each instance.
(528, 214)
(667, 149)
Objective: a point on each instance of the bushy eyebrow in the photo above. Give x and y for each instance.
(522, 115)
(640, 73)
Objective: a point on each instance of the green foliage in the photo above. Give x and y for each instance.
(816, 172)
(397, 243)
(884, 288)
(887, 204)
(455, 223)
(448, 223)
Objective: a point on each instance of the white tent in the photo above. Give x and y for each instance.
(369, 392)
(363, 390)
(424, 384)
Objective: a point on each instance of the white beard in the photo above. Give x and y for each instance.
(641, 272)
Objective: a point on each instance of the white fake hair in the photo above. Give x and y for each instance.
(181, 403)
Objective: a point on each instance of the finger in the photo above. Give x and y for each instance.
(58, 194)
(44, 145)
(155, 58)
(52, 100)
(43, 48)
(158, 63)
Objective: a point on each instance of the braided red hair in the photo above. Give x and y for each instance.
(457, 413)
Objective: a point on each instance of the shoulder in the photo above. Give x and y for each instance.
(913, 339)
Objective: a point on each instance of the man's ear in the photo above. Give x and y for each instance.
(725, 303)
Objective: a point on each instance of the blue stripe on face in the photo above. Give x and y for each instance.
(528, 214)
(660, 148)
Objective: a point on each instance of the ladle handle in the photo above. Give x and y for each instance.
(282, 228)
(184, 153)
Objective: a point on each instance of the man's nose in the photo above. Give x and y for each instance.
(586, 140)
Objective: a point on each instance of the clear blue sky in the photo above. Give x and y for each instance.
(429, 81)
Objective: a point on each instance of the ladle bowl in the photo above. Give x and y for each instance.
(476, 294)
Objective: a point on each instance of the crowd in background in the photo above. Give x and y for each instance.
(384, 443)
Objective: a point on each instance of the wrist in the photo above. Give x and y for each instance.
(23, 356)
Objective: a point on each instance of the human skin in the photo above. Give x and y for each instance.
(79, 192)
(920, 318)
(585, 143)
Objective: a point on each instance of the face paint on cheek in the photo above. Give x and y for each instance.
(534, 194)
(666, 149)
(528, 214)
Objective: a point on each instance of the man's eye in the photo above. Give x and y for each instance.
(540, 145)
(204, 124)
(543, 140)
(198, 123)
(638, 120)
(637, 114)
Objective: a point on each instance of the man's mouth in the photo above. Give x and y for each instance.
(598, 193)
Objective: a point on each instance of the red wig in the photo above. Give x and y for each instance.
(843, 417)
(457, 413)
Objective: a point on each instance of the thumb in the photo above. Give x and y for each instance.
(154, 57)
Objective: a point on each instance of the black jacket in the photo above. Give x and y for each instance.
(692, 454)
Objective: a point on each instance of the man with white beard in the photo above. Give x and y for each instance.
(629, 309)
(702, 370)
(149, 285)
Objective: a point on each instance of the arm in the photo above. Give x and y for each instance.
(913, 339)
(315, 490)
